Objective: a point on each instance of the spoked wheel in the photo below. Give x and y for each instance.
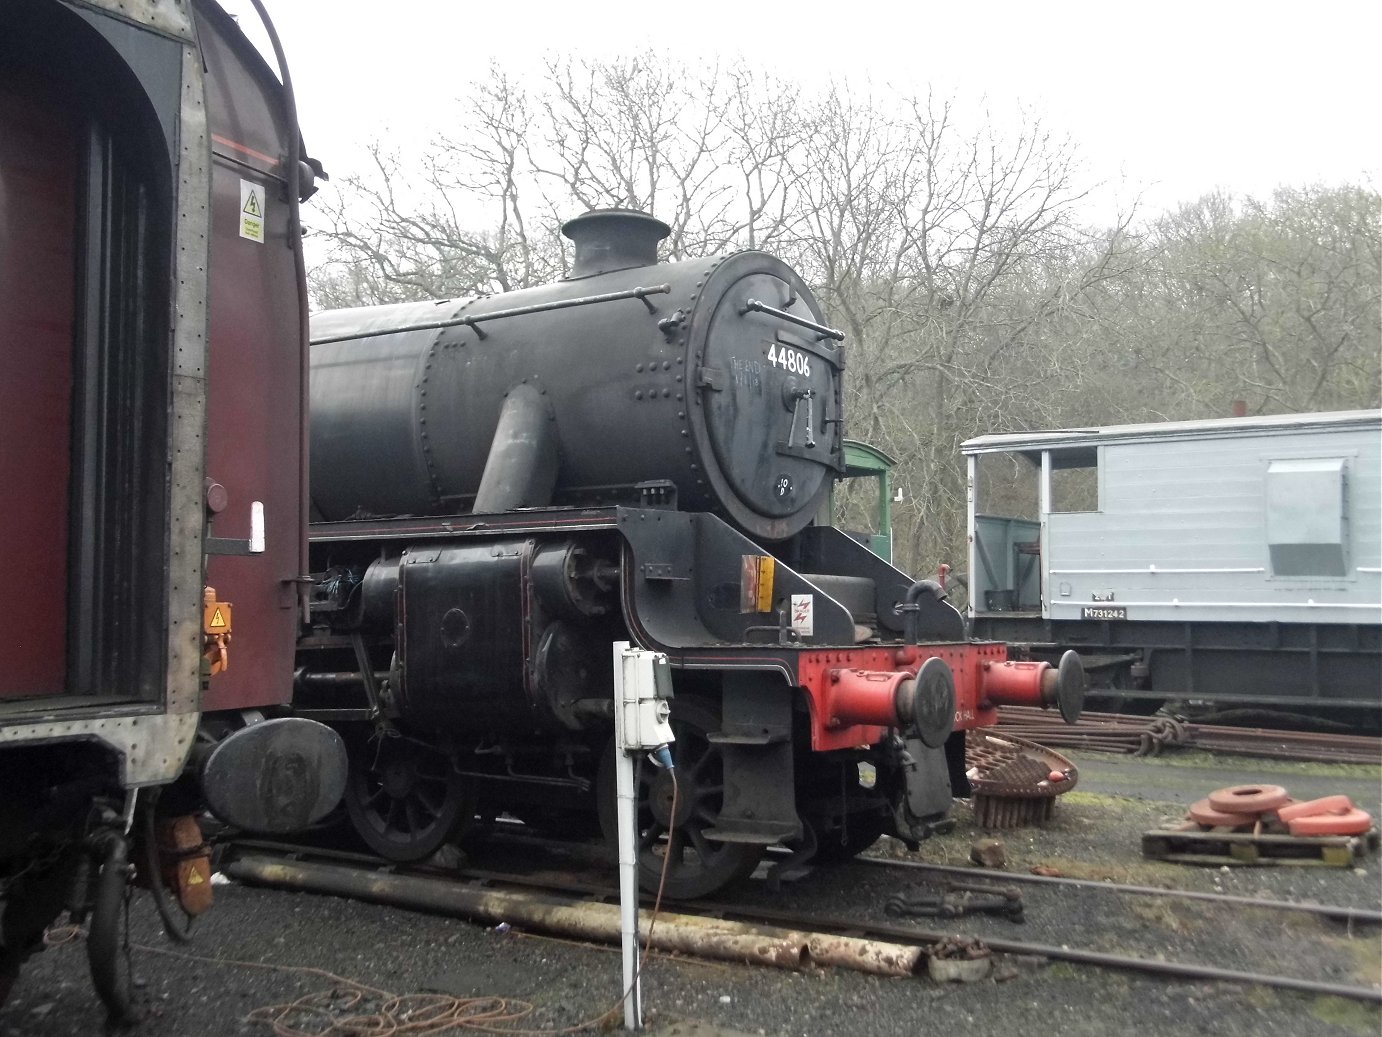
(106, 952)
(404, 797)
(696, 864)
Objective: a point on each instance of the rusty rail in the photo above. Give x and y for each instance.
(1349, 915)
(1149, 736)
(735, 933)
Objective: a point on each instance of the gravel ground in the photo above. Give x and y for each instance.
(250, 950)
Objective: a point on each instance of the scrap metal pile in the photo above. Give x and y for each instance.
(1148, 736)
(1270, 808)
(1015, 781)
(1263, 825)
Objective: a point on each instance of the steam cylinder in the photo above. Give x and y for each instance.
(693, 386)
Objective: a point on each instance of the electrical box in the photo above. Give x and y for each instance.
(644, 688)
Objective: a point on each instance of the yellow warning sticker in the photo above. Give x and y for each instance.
(216, 617)
(252, 211)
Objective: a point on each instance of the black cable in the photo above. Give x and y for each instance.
(163, 903)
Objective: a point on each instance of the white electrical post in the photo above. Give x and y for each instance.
(628, 852)
(642, 689)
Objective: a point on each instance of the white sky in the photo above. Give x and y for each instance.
(1174, 97)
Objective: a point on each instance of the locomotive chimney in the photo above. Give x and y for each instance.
(613, 239)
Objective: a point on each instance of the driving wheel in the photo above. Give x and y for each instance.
(404, 797)
(696, 864)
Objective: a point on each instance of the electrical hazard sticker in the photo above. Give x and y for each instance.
(804, 614)
(216, 618)
(252, 208)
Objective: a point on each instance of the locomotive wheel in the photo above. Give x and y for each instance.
(835, 846)
(696, 865)
(404, 798)
(106, 952)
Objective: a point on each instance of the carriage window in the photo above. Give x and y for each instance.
(1075, 480)
(1008, 484)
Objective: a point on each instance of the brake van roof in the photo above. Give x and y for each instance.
(1032, 443)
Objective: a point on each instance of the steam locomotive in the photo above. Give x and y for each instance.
(152, 460)
(502, 486)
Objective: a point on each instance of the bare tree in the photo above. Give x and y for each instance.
(974, 296)
(1273, 302)
(707, 149)
(949, 256)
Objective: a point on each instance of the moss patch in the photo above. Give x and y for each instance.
(1164, 914)
(1215, 761)
(1264, 998)
(1352, 1016)
(1126, 872)
(1108, 801)
(1366, 950)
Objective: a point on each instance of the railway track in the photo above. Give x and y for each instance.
(1149, 736)
(583, 904)
(1342, 914)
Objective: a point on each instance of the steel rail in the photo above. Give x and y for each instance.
(1122, 962)
(1147, 735)
(1346, 914)
(1350, 915)
(380, 887)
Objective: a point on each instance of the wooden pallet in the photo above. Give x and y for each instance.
(1194, 845)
